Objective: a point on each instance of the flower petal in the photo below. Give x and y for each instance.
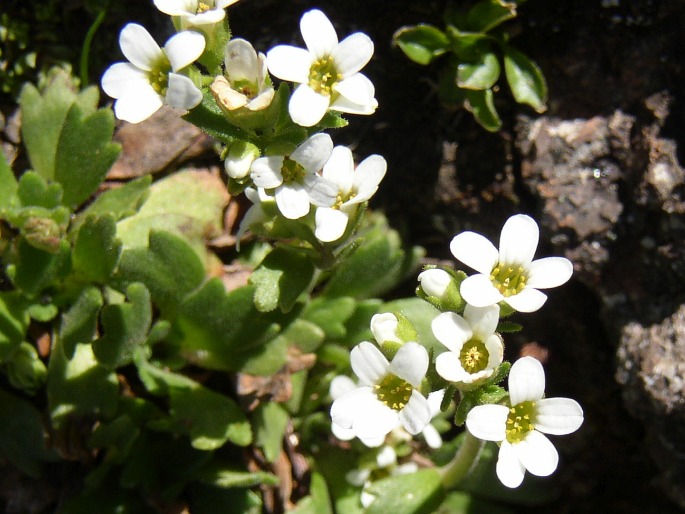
(176, 7)
(528, 300)
(384, 327)
(483, 320)
(352, 54)
(321, 192)
(518, 240)
(138, 105)
(478, 291)
(537, 454)
(241, 60)
(416, 415)
(488, 422)
(266, 171)
(341, 385)
(182, 93)
(549, 272)
(368, 363)
(138, 46)
(289, 63)
(386, 457)
(449, 367)
(432, 437)
(307, 107)
(344, 409)
(262, 100)
(374, 419)
(344, 434)
(313, 153)
(211, 17)
(526, 381)
(357, 95)
(368, 176)
(434, 282)
(292, 201)
(123, 77)
(330, 224)
(509, 469)
(410, 363)
(318, 33)
(340, 169)
(184, 48)
(475, 251)
(495, 351)
(558, 416)
(451, 330)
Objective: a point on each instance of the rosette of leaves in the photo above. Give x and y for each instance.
(475, 48)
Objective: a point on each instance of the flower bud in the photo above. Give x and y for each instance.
(241, 154)
(434, 282)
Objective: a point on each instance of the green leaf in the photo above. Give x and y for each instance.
(481, 74)
(421, 43)
(482, 105)
(96, 250)
(118, 436)
(488, 14)
(318, 501)
(525, 79)
(229, 477)
(22, 436)
(330, 314)
(85, 153)
(34, 190)
(421, 315)
(25, 370)
(168, 267)
(210, 118)
(415, 493)
(207, 499)
(509, 327)
(9, 187)
(79, 322)
(270, 421)
(281, 278)
(304, 335)
(14, 321)
(36, 269)
(79, 387)
(125, 327)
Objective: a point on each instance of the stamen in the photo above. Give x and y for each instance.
(323, 76)
(520, 421)
(292, 171)
(393, 391)
(474, 356)
(508, 280)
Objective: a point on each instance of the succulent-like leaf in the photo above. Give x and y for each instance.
(525, 79)
(421, 43)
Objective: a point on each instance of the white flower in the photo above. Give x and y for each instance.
(520, 428)
(434, 282)
(328, 71)
(255, 214)
(245, 83)
(294, 177)
(354, 188)
(384, 328)
(475, 350)
(195, 12)
(241, 155)
(341, 385)
(388, 395)
(151, 78)
(509, 274)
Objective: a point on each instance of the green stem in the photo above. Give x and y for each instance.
(85, 50)
(463, 462)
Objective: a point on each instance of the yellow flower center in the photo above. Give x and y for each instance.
(520, 421)
(508, 280)
(249, 89)
(393, 391)
(159, 75)
(341, 199)
(292, 171)
(323, 76)
(202, 7)
(474, 356)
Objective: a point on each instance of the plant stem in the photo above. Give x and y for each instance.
(463, 462)
(85, 50)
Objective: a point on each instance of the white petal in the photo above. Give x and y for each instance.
(222, 4)
(182, 93)
(416, 414)
(292, 201)
(478, 291)
(368, 363)
(374, 420)
(475, 251)
(313, 153)
(495, 351)
(318, 33)
(432, 437)
(184, 48)
(289, 63)
(344, 409)
(526, 381)
(357, 95)
(434, 282)
(384, 327)
(307, 107)
(138, 46)
(368, 176)
(176, 7)
(330, 224)
(549, 272)
(483, 320)
(451, 330)
(266, 171)
(226, 95)
(344, 434)
(558, 416)
(449, 367)
(509, 469)
(537, 454)
(321, 192)
(340, 169)
(373, 442)
(122, 77)
(241, 60)
(262, 100)
(488, 422)
(386, 457)
(518, 240)
(211, 17)
(410, 363)
(352, 54)
(341, 385)
(139, 105)
(528, 300)
(435, 400)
